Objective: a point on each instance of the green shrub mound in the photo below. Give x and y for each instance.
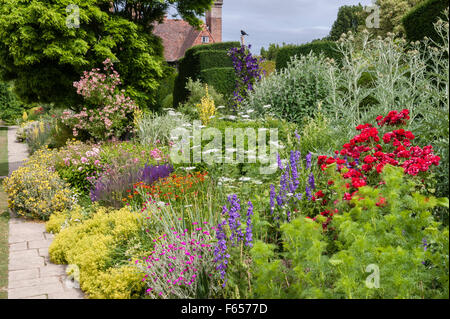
(293, 93)
(201, 58)
(328, 48)
(418, 22)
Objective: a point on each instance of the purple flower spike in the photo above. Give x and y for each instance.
(248, 232)
(308, 160)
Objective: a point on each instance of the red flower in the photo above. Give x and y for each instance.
(347, 196)
(381, 202)
(369, 159)
(320, 194)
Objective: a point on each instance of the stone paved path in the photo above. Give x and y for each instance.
(31, 275)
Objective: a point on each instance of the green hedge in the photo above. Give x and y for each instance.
(222, 79)
(198, 59)
(212, 59)
(418, 22)
(222, 46)
(328, 48)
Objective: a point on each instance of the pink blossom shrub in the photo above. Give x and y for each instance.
(107, 112)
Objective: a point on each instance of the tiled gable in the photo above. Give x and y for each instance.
(178, 36)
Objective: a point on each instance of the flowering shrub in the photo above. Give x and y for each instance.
(35, 190)
(107, 112)
(180, 266)
(248, 71)
(79, 163)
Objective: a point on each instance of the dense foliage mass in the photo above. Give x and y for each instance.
(419, 21)
(45, 55)
(326, 179)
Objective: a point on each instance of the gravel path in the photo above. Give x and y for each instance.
(31, 275)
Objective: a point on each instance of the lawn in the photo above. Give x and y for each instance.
(4, 216)
(3, 151)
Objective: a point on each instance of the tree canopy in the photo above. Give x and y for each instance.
(44, 56)
(348, 19)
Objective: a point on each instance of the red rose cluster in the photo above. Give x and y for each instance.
(366, 155)
(394, 118)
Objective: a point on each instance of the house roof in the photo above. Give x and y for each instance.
(178, 36)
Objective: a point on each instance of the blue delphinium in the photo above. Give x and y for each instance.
(308, 160)
(248, 231)
(221, 252)
(234, 220)
(294, 172)
(311, 181)
(272, 198)
(280, 165)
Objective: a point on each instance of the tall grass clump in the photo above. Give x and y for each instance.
(152, 129)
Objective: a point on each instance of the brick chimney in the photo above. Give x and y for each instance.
(214, 20)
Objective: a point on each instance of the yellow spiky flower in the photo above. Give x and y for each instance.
(138, 114)
(206, 109)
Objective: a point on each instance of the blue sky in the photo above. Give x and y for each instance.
(278, 21)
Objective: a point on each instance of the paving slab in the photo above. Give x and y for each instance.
(47, 288)
(23, 274)
(34, 282)
(39, 243)
(18, 246)
(31, 275)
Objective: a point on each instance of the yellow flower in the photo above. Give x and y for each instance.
(206, 108)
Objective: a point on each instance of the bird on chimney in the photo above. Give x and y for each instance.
(243, 33)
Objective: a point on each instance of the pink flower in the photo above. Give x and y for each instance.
(84, 160)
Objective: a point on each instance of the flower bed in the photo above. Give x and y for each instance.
(341, 204)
